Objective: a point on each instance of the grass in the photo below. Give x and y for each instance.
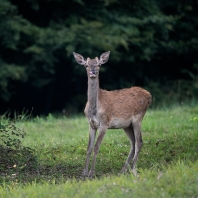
(174, 181)
(167, 164)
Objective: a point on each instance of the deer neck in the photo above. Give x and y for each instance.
(93, 91)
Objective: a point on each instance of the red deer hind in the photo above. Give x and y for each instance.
(117, 109)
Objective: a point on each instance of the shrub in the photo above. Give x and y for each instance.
(14, 156)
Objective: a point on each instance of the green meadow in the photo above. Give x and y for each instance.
(52, 163)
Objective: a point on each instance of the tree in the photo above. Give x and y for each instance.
(37, 39)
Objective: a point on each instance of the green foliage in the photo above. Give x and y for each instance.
(37, 39)
(172, 92)
(14, 156)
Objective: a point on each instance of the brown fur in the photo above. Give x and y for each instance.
(124, 103)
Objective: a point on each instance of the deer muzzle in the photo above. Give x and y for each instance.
(92, 74)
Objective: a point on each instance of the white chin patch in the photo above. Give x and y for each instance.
(92, 75)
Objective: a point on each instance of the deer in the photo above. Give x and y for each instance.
(117, 109)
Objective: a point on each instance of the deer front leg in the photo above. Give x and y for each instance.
(101, 134)
(92, 134)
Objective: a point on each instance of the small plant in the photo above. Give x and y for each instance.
(14, 156)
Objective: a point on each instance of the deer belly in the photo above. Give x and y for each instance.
(119, 123)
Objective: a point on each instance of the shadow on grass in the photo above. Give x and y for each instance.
(155, 154)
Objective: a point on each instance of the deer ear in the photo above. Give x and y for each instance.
(79, 58)
(104, 57)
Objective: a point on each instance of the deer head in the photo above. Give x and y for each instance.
(92, 65)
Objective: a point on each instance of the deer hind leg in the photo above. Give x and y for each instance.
(92, 134)
(138, 144)
(130, 134)
(101, 134)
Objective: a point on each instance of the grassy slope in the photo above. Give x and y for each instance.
(175, 181)
(167, 163)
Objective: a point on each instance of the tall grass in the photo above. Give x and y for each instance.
(167, 163)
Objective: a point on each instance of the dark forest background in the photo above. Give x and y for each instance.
(153, 44)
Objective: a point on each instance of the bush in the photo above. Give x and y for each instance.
(14, 156)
